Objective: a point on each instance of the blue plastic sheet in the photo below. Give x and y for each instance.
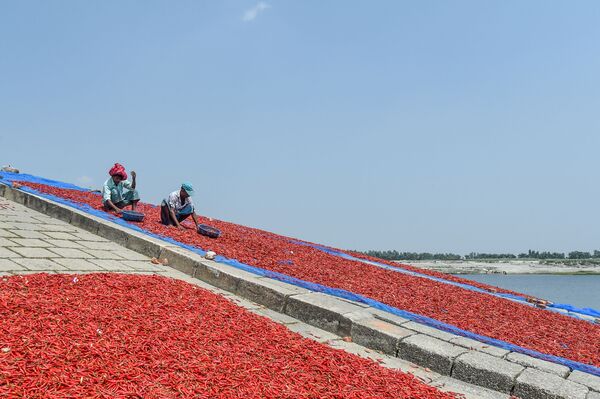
(302, 283)
(6, 176)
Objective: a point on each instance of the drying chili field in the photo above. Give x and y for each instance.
(132, 336)
(484, 314)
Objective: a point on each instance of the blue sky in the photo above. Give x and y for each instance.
(418, 126)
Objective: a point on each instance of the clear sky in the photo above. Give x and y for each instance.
(411, 125)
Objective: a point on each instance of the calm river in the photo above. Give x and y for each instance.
(582, 291)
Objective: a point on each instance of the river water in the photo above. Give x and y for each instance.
(582, 291)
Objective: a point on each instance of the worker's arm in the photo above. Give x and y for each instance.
(133, 176)
(195, 219)
(114, 208)
(174, 218)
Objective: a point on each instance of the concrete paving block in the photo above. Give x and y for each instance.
(244, 303)
(143, 265)
(18, 217)
(128, 254)
(26, 226)
(62, 243)
(71, 253)
(102, 245)
(323, 311)
(39, 264)
(314, 333)
(78, 264)
(7, 253)
(46, 219)
(479, 346)
(5, 242)
(589, 380)
(536, 384)
(430, 352)
(265, 291)
(469, 391)
(7, 265)
(29, 234)
(389, 317)
(593, 395)
(33, 252)
(486, 370)
(60, 235)
(87, 236)
(358, 350)
(102, 254)
(432, 332)
(378, 334)
(6, 234)
(111, 265)
(539, 364)
(64, 228)
(424, 374)
(31, 242)
(276, 316)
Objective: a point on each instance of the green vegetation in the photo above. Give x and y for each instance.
(549, 258)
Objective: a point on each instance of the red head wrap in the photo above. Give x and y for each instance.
(118, 169)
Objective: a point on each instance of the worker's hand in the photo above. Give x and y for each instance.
(180, 227)
(118, 211)
(133, 174)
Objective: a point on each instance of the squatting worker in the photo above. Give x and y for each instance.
(113, 196)
(178, 206)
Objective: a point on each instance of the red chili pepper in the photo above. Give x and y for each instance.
(536, 329)
(164, 338)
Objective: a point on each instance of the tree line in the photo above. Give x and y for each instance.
(531, 254)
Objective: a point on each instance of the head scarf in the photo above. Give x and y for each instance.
(118, 169)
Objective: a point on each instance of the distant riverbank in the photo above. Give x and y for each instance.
(509, 266)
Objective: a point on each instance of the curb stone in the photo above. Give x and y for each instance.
(378, 334)
(590, 381)
(535, 384)
(486, 370)
(430, 352)
(539, 364)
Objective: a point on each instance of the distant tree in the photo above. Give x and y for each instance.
(579, 255)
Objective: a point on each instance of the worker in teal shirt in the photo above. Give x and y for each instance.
(113, 196)
(178, 206)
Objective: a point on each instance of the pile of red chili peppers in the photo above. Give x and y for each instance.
(532, 328)
(131, 336)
